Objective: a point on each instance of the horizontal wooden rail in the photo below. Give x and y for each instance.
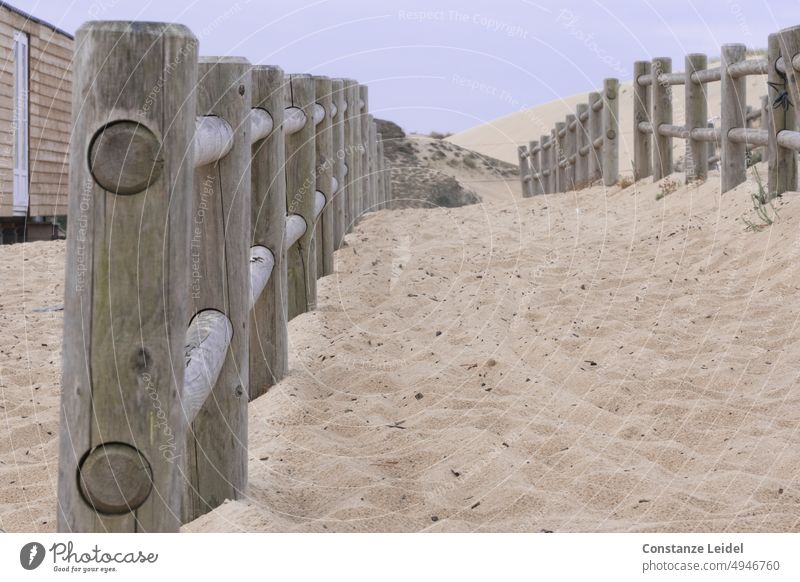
(294, 120)
(789, 139)
(749, 135)
(319, 203)
(748, 67)
(261, 124)
(213, 139)
(670, 130)
(706, 134)
(736, 70)
(318, 113)
(707, 75)
(262, 262)
(207, 341)
(780, 64)
(295, 228)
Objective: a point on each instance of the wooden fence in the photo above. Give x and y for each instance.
(581, 149)
(206, 198)
(654, 131)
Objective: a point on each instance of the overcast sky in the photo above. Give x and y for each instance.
(450, 65)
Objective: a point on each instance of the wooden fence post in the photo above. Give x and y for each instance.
(661, 113)
(216, 456)
(581, 142)
(610, 131)
(269, 345)
(339, 168)
(733, 156)
(595, 166)
(782, 161)
(535, 166)
(561, 179)
(300, 196)
(373, 158)
(571, 151)
(642, 141)
(363, 202)
(126, 286)
(524, 170)
(388, 183)
(353, 157)
(555, 157)
(324, 170)
(544, 161)
(381, 172)
(696, 108)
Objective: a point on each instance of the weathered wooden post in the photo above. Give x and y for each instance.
(353, 154)
(642, 151)
(696, 108)
(122, 432)
(582, 145)
(300, 197)
(545, 163)
(381, 173)
(524, 170)
(661, 113)
(610, 149)
(324, 170)
(534, 151)
(269, 346)
(733, 156)
(561, 156)
(555, 157)
(570, 150)
(363, 203)
(595, 166)
(373, 162)
(782, 161)
(389, 196)
(339, 167)
(216, 456)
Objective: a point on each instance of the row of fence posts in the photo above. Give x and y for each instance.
(207, 196)
(654, 131)
(579, 150)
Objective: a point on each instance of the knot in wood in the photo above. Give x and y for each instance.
(125, 157)
(115, 478)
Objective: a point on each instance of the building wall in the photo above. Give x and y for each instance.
(50, 85)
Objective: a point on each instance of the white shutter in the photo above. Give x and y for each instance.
(20, 198)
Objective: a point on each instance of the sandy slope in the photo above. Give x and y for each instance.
(499, 138)
(592, 361)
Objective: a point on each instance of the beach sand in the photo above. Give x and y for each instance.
(591, 361)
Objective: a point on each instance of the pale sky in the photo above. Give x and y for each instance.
(450, 65)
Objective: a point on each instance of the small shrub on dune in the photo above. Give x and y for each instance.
(624, 182)
(762, 205)
(668, 186)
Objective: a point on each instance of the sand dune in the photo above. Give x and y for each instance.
(500, 138)
(591, 361)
